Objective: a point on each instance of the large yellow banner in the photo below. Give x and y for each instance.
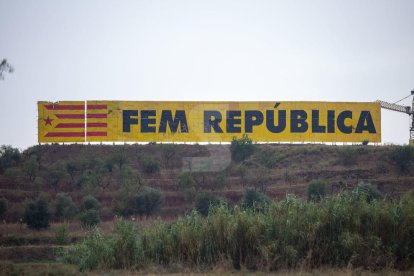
(132, 121)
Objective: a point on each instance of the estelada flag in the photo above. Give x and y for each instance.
(66, 121)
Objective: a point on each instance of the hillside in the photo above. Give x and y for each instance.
(276, 169)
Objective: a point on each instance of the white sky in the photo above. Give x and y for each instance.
(353, 50)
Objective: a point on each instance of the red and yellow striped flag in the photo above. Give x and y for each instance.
(66, 121)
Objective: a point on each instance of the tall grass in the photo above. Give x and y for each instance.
(345, 230)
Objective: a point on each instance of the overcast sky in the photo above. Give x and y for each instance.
(204, 50)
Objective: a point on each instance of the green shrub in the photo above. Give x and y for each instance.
(94, 252)
(371, 192)
(53, 174)
(220, 181)
(168, 152)
(145, 202)
(204, 201)
(252, 198)
(3, 207)
(316, 190)
(150, 165)
(12, 174)
(9, 157)
(72, 166)
(402, 157)
(241, 148)
(89, 218)
(64, 207)
(187, 183)
(342, 231)
(90, 202)
(61, 236)
(31, 168)
(125, 245)
(120, 158)
(37, 215)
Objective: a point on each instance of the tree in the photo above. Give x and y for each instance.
(187, 183)
(120, 158)
(206, 200)
(37, 214)
(3, 207)
(90, 218)
(241, 148)
(168, 152)
(64, 207)
(220, 181)
(150, 165)
(90, 202)
(90, 215)
(9, 157)
(146, 202)
(252, 198)
(54, 174)
(241, 170)
(31, 168)
(402, 156)
(316, 190)
(5, 67)
(71, 168)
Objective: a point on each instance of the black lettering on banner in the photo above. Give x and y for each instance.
(212, 119)
(148, 119)
(365, 123)
(347, 114)
(252, 118)
(179, 119)
(231, 121)
(298, 121)
(316, 127)
(281, 121)
(127, 121)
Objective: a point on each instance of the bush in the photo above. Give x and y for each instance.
(31, 168)
(187, 183)
(64, 207)
(342, 231)
(3, 207)
(204, 201)
(371, 192)
(241, 148)
(121, 250)
(168, 152)
(12, 174)
(252, 199)
(53, 174)
(9, 157)
(90, 202)
(37, 215)
(150, 165)
(220, 181)
(144, 202)
(316, 190)
(125, 245)
(94, 252)
(402, 157)
(61, 234)
(120, 158)
(89, 218)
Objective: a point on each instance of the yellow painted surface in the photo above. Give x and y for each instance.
(112, 124)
